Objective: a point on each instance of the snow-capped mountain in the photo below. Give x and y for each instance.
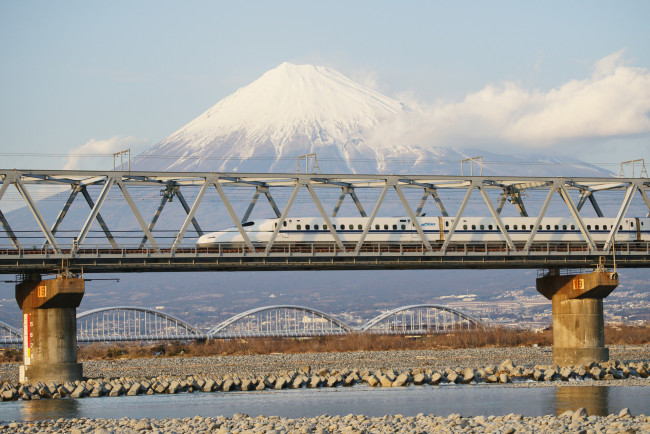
(294, 110)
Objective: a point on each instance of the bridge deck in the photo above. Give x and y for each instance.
(325, 257)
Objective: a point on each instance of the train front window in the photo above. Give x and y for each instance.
(248, 224)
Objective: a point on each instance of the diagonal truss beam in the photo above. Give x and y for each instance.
(456, 220)
(37, 215)
(629, 194)
(541, 215)
(233, 215)
(137, 214)
(181, 198)
(372, 218)
(345, 191)
(496, 217)
(645, 198)
(3, 221)
(434, 193)
(154, 219)
(283, 217)
(64, 211)
(190, 214)
(323, 213)
(576, 216)
(414, 219)
(259, 190)
(94, 213)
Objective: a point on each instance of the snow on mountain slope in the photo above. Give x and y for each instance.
(294, 110)
(290, 111)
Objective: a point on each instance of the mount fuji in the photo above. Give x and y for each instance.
(294, 110)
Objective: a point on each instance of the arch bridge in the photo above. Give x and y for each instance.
(131, 323)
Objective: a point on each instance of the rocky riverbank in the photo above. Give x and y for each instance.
(507, 372)
(571, 421)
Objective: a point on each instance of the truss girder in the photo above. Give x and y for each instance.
(510, 187)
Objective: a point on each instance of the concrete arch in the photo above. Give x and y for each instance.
(190, 332)
(218, 331)
(378, 319)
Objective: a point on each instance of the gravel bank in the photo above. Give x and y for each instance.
(572, 421)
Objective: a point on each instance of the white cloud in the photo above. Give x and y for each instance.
(98, 154)
(613, 102)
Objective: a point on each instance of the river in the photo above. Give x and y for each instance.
(471, 400)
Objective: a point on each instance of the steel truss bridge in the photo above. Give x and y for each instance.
(96, 245)
(128, 323)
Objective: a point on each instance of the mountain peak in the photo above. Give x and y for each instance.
(289, 111)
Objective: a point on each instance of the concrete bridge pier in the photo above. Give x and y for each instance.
(578, 321)
(49, 328)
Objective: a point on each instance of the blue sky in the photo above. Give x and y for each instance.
(127, 74)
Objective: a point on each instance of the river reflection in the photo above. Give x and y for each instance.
(474, 400)
(593, 398)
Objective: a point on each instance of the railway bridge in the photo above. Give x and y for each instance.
(73, 223)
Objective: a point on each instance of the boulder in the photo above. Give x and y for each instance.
(401, 380)
(436, 378)
(419, 378)
(135, 389)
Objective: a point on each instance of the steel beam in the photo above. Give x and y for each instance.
(39, 218)
(456, 220)
(154, 219)
(542, 212)
(372, 218)
(233, 215)
(251, 205)
(138, 216)
(629, 194)
(181, 198)
(9, 232)
(496, 217)
(100, 220)
(418, 228)
(190, 214)
(283, 217)
(73, 194)
(94, 211)
(323, 213)
(576, 216)
(345, 191)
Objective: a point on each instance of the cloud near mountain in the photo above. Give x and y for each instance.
(613, 101)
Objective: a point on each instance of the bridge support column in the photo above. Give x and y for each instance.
(49, 328)
(578, 322)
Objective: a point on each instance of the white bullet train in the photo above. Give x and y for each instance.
(401, 229)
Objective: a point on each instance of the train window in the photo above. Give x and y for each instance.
(299, 227)
(248, 224)
(359, 227)
(447, 223)
(376, 227)
(597, 227)
(620, 228)
(276, 225)
(557, 227)
(385, 227)
(548, 227)
(284, 223)
(540, 227)
(403, 227)
(465, 227)
(604, 227)
(394, 227)
(315, 227)
(482, 227)
(307, 227)
(473, 226)
(588, 227)
(490, 227)
(632, 224)
(564, 227)
(515, 227)
(573, 227)
(351, 227)
(324, 227)
(507, 227)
